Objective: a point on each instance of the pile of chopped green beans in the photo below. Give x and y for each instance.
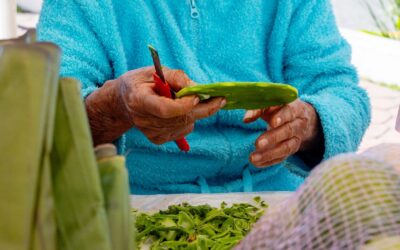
(197, 227)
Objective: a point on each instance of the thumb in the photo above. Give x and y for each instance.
(252, 115)
(177, 79)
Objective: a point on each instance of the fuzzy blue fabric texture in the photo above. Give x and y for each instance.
(293, 41)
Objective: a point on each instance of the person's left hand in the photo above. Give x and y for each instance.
(292, 128)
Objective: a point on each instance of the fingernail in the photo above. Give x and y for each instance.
(196, 101)
(256, 157)
(278, 121)
(223, 103)
(263, 143)
(247, 115)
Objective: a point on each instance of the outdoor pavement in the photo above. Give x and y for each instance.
(385, 101)
(354, 14)
(385, 105)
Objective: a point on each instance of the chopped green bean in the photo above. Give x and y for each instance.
(197, 227)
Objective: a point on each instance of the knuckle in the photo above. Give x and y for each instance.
(174, 74)
(292, 130)
(165, 68)
(304, 110)
(266, 156)
(292, 111)
(297, 143)
(179, 76)
(296, 140)
(162, 111)
(149, 70)
(273, 140)
(287, 148)
(294, 144)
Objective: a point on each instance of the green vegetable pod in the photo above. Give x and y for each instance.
(244, 95)
(115, 185)
(80, 213)
(26, 84)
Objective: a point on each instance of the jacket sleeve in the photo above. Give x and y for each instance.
(316, 60)
(72, 25)
(84, 58)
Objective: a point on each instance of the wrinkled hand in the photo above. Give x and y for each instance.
(162, 119)
(132, 102)
(292, 128)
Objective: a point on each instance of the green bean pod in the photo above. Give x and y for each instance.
(244, 95)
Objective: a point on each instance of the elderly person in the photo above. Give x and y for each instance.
(295, 41)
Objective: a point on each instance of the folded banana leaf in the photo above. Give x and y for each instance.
(80, 213)
(244, 95)
(25, 86)
(115, 185)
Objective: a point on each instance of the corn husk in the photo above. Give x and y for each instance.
(44, 231)
(80, 212)
(25, 87)
(115, 185)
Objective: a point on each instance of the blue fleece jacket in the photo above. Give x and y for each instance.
(291, 41)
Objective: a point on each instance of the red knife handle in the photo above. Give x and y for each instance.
(163, 89)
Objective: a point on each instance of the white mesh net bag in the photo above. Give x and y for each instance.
(348, 202)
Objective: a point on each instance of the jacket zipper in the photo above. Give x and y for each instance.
(194, 12)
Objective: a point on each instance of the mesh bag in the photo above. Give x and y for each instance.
(349, 202)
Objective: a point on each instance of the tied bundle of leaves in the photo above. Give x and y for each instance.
(197, 227)
(54, 193)
(28, 87)
(115, 186)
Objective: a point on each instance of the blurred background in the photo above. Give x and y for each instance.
(356, 15)
(372, 27)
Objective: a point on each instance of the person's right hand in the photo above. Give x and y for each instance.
(130, 101)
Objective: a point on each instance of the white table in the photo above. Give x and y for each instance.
(148, 203)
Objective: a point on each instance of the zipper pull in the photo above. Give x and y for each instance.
(194, 12)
